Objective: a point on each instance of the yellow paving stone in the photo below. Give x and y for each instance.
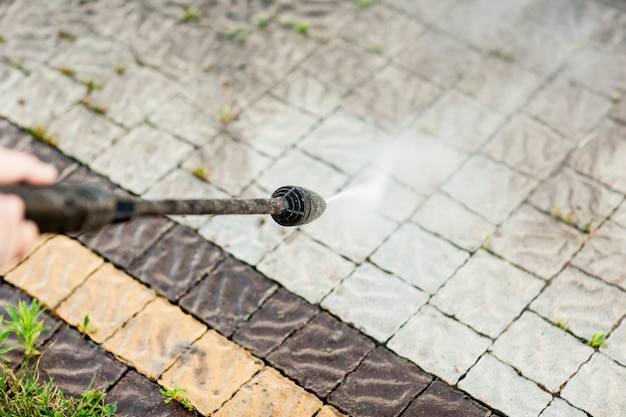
(329, 411)
(109, 297)
(42, 239)
(270, 394)
(212, 371)
(52, 272)
(153, 339)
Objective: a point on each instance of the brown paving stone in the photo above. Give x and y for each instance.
(76, 364)
(179, 260)
(211, 371)
(382, 385)
(281, 315)
(227, 296)
(443, 401)
(109, 297)
(270, 394)
(54, 270)
(329, 411)
(320, 354)
(153, 339)
(136, 396)
(49, 154)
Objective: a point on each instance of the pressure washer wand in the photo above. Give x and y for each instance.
(64, 208)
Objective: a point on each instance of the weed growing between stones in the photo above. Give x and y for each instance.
(190, 15)
(40, 133)
(177, 394)
(598, 340)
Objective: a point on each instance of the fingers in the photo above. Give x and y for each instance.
(21, 167)
(11, 229)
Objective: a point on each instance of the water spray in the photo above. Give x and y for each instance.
(64, 208)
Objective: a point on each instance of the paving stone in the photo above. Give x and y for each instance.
(154, 338)
(343, 66)
(597, 69)
(305, 91)
(313, 270)
(211, 371)
(136, 396)
(139, 159)
(8, 76)
(183, 184)
(36, 100)
(529, 147)
(419, 161)
(321, 354)
(325, 18)
(178, 261)
(269, 393)
(109, 298)
(281, 315)
(83, 134)
(460, 121)
(559, 408)
(601, 157)
(296, 167)
(271, 126)
(228, 296)
(383, 384)
(600, 400)
(447, 218)
(8, 268)
(618, 113)
(487, 80)
(345, 141)
(133, 96)
(586, 305)
(186, 120)
(419, 258)
(541, 351)
(12, 137)
(392, 99)
(329, 411)
(54, 270)
(569, 108)
(76, 364)
(487, 293)
(601, 256)
(498, 384)
(424, 10)
(374, 301)
(248, 238)
(571, 194)
(46, 153)
(235, 15)
(443, 401)
(619, 216)
(220, 155)
(616, 342)
(449, 349)
(495, 189)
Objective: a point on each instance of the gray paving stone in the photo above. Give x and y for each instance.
(393, 98)
(325, 18)
(489, 188)
(460, 121)
(602, 157)
(187, 120)
(419, 161)
(425, 10)
(571, 194)
(227, 15)
(585, 304)
(569, 108)
(8, 76)
(305, 91)
(314, 270)
(374, 301)
(500, 386)
(442, 215)
(601, 400)
(439, 344)
(419, 258)
(559, 408)
(529, 147)
(487, 293)
(616, 342)
(83, 134)
(345, 141)
(619, 111)
(541, 351)
(37, 99)
(500, 85)
(536, 242)
(271, 126)
(141, 158)
(603, 256)
(598, 69)
(438, 58)
(619, 216)
(231, 165)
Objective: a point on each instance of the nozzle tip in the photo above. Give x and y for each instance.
(302, 206)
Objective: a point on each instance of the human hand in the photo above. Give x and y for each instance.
(18, 236)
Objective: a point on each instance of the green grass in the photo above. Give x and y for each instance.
(300, 27)
(26, 325)
(66, 36)
(85, 328)
(68, 72)
(238, 34)
(598, 340)
(94, 107)
(40, 133)
(201, 172)
(364, 4)
(177, 394)
(191, 15)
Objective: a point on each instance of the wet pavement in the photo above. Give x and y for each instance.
(472, 156)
